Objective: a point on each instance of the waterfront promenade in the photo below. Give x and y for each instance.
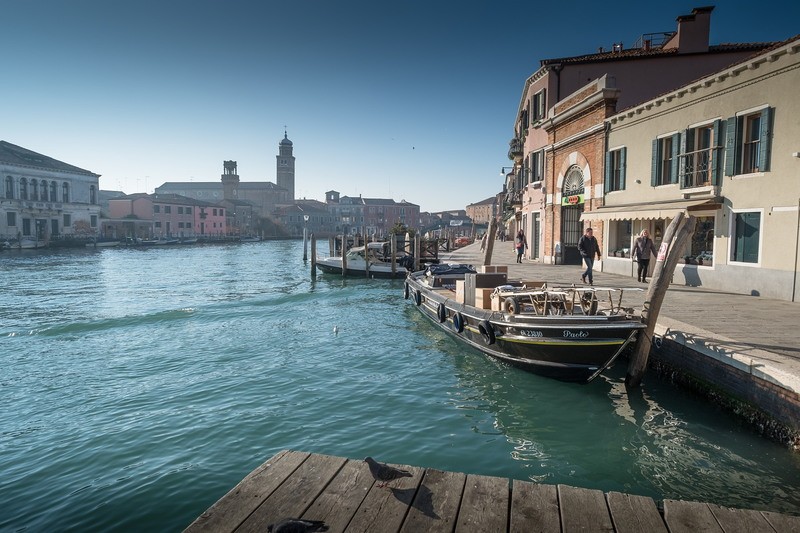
(757, 336)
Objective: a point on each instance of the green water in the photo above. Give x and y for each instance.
(138, 386)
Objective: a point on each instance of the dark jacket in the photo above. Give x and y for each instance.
(588, 246)
(642, 247)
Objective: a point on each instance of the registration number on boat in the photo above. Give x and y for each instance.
(532, 333)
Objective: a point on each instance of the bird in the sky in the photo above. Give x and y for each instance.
(296, 525)
(383, 472)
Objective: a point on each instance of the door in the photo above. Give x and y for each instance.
(570, 233)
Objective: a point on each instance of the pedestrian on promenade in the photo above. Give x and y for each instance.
(588, 247)
(642, 247)
(520, 244)
(483, 242)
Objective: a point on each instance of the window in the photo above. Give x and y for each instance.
(11, 219)
(158, 224)
(34, 190)
(156, 208)
(747, 143)
(93, 219)
(619, 238)
(67, 221)
(664, 162)
(44, 191)
(537, 166)
(701, 248)
(180, 210)
(9, 187)
(539, 105)
(26, 226)
(92, 194)
(747, 233)
(23, 189)
(699, 163)
(615, 170)
(214, 212)
(187, 210)
(64, 192)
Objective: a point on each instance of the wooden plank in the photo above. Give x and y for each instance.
(385, 508)
(632, 514)
(233, 508)
(534, 508)
(583, 510)
(338, 502)
(782, 523)
(739, 520)
(484, 506)
(435, 506)
(294, 496)
(689, 517)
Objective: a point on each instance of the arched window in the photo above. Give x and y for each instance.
(9, 187)
(53, 191)
(65, 190)
(92, 195)
(23, 189)
(34, 190)
(44, 191)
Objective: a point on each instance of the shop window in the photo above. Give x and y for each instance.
(748, 143)
(747, 235)
(700, 250)
(615, 170)
(619, 238)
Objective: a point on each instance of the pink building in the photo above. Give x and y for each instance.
(164, 215)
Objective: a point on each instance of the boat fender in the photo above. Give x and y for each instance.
(417, 297)
(405, 291)
(511, 306)
(441, 312)
(487, 331)
(458, 322)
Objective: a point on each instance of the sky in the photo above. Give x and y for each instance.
(406, 99)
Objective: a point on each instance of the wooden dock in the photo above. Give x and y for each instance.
(343, 494)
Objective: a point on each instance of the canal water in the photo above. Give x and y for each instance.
(139, 385)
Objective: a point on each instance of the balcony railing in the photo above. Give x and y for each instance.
(515, 149)
(695, 168)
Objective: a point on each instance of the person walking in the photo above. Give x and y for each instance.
(520, 244)
(643, 246)
(588, 247)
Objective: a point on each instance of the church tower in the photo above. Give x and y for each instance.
(285, 170)
(230, 181)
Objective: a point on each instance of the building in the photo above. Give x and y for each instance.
(43, 198)
(558, 148)
(154, 216)
(482, 212)
(369, 216)
(723, 148)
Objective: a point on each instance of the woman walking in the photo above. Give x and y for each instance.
(642, 247)
(520, 244)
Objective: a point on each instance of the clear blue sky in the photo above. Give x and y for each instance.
(406, 99)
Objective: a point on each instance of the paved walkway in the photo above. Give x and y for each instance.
(758, 335)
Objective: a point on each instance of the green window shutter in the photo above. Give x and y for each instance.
(673, 170)
(682, 156)
(730, 147)
(765, 139)
(607, 174)
(654, 164)
(716, 154)
(748, 230)
(622, 155)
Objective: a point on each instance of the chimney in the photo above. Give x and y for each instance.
(693, 31)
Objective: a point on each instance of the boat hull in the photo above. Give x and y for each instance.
(329, 266)
(573, 348)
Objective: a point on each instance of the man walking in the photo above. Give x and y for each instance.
(588, 247)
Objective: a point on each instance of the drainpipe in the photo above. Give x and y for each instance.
(796, 246)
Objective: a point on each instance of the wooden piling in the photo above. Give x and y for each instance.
(677, 235)
(393, 251)
(344, 255)
(416, 252)
(487, 252)
(313, 255)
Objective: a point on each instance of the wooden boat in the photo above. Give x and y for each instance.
(375, 256)
(566, 333)
(102, 243)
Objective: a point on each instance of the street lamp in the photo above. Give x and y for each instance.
(503, 170)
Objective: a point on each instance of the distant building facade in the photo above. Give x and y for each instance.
(43, 198)
(149, 216)
(483, 211)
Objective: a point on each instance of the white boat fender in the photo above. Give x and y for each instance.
(487, 331)
(458, 322)
(441, 312)
(417, 297)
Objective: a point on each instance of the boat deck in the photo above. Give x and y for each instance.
(341, 492)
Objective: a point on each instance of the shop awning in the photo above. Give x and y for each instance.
(648, 211)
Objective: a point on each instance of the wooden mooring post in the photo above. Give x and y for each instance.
(487, 252)
(393, 251)
(676, 236)
(344, 255)
(313, 256)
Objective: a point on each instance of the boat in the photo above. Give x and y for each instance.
(27, 243)
(249, 238)
(187, 240)
(103, 243)
(378, 261)
(567, 333)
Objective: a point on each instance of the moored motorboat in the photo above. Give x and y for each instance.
(375, 257)
(567, 333)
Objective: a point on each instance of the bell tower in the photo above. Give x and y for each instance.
(285, 166)
(230, 180)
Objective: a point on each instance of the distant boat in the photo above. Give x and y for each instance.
(249, 238)
(26, 243)
(380, 262)
(188, 241)
(102, 243)
(165, 241)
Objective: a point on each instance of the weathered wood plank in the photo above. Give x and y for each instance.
(435, 506)
(235, 506)
(633, 514)
(484, 506)
(534, 508)
(782, 523)
(385, 508)
(583, 510)
(689, 517)
(739, 520)
(294, 496)
(338, 502)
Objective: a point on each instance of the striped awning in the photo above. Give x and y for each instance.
(650, 211)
